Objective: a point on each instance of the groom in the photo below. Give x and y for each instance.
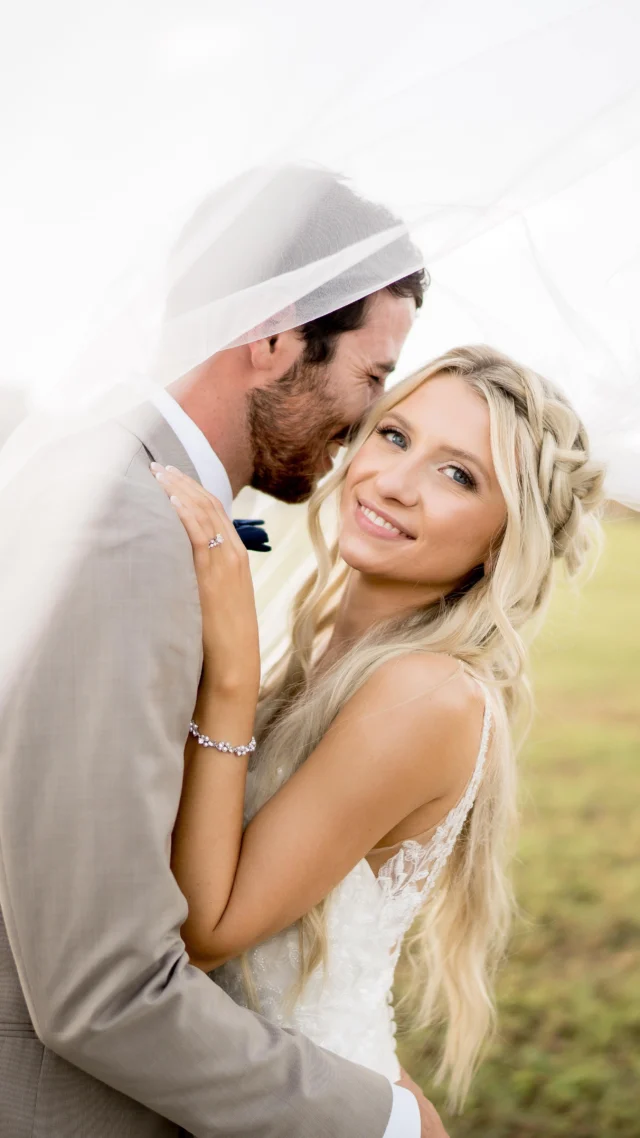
(106, 1030)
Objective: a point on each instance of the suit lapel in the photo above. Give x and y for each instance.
(158, 438)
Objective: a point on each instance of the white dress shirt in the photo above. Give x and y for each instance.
(210, 470)
(405, 1116)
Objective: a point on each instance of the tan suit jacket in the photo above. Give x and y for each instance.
(106, 1031)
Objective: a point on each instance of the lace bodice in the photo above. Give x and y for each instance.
(348, 1008)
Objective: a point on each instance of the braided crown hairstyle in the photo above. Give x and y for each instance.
(552, 489)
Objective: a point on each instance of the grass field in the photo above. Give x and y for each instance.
(567, 1057)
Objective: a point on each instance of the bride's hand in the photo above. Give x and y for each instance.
(227, 598)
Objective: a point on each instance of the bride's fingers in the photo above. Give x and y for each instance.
(190, 493)
(175, 481)
(200, 506)
(201, 518)
(211, 511)
(197, 536)
(196, 489)
(169, 477)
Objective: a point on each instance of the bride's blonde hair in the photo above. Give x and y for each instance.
(552, 489)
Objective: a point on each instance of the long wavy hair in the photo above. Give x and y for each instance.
(552, 489)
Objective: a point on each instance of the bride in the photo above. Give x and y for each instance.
(381, 796)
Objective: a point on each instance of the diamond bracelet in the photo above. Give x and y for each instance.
(205, 741)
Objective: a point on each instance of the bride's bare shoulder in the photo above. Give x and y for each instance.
(425, 711)
(430, 679)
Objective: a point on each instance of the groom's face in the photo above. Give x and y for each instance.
(299, 422)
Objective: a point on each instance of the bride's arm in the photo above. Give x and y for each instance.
(208, 830)
(402, 741)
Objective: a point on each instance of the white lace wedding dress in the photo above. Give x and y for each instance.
(348, 1008)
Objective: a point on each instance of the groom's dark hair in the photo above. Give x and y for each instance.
(309, 213)
(321, 335)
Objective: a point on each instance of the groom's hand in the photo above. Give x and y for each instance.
(431, 1125)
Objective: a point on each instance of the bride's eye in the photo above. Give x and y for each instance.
(460, 476)
(395, 437)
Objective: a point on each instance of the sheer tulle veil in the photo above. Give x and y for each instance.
(150, 207)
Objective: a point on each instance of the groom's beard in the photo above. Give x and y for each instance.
(291, 425)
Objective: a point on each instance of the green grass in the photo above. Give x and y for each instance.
(567, 1057)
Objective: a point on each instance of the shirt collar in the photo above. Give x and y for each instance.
(209, 468)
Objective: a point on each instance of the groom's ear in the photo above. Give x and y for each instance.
(273, 356)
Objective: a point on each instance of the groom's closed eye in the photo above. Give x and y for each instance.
(381, 372)
(343, 437)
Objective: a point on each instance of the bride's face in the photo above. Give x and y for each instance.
(421, 501)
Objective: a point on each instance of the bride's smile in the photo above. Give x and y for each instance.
(378, 523)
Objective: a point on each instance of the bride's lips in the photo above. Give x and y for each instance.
(369, 526)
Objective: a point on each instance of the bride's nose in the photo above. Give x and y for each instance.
(399, 480)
